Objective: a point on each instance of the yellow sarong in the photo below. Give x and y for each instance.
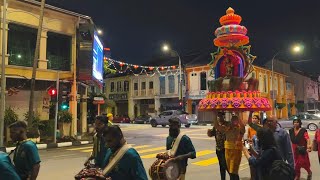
(233, 155)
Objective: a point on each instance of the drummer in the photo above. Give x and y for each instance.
(99, 147)
(185, 149)
(127, 162)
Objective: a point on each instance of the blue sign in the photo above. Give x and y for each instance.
(97, 67)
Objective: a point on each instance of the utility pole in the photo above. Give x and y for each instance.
(3, 75)
(35, 64)
(57, 109)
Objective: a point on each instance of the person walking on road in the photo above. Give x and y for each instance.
(281, 136)
(316, 143)
(185, 148)
(99, 147)
(301, 145)
(26, 156)
(220, 151)
(122, 162)
(234, 131)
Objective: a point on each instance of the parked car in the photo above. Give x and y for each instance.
(142, 119)
(163, 118)
(121, 119)
(315, 112)
(309, 121)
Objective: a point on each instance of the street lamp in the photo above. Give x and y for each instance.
(100, 32)
(166, 48)
(297, 49)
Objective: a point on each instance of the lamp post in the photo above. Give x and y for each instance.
(166, 48)
(296, 49)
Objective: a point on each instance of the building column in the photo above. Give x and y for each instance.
(84, 112)
(43, 62)
(131, 108)
(138, 108)
(6, 48)
(157, 105)
(73, 103)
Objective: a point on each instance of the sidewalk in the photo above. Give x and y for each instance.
(54, 145)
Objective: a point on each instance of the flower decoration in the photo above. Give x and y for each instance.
(248, 102)
(214, 103)
(257, 102)
(224, 102)
(236, 102)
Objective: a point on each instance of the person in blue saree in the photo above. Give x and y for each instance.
(122, 162)
(7, 170)
(99, 147)
(26, 156)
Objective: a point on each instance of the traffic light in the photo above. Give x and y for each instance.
(65, 97)
(180, 103)
(53, 94)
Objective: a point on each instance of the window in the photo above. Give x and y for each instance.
(119, 88)
(21, 45)
(135, 86)
(112, 87)
(126, 86)
(203, 81)
(143, 85)
(281, 86)
(151, 85)
(265, 84)
(171, 83)
(58, 51)
(289, 86)
(162, 80)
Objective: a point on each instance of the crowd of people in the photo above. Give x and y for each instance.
(272, 153)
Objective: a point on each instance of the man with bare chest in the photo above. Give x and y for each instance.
(234, 131)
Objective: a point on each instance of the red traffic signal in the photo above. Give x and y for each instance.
(52, 91)
(180, 103)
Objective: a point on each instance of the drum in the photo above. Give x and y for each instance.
(163, 169)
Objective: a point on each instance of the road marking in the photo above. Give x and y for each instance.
(197, 134)
(204, 152)
(140, 147)
(184, 132)
(199, 138)
(63, 155)
(149, 156)
(81, 148)
(207, 162)
(86, 151)
(152, 149)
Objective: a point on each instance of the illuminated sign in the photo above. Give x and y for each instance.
(97, 66)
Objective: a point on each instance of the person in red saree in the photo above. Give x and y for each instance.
(317, 141)
(301, 145)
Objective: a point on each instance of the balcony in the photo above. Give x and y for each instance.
(143, 92)
(135, 93)
(150, 92)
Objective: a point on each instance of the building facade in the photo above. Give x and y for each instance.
(144, 94)
(197, 89)
(57, 59)
(306, 88)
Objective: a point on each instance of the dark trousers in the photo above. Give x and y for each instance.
(222, 163)
(234, 177)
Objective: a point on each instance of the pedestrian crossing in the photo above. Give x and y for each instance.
(205, 157)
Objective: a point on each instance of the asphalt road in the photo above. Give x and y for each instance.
(64, 163)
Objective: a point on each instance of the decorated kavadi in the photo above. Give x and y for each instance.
(232, 89)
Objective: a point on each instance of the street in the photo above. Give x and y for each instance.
(64, 163)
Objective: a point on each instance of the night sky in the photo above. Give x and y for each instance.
(136, 29)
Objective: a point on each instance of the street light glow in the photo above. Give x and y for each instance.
(99, 31)
(297, 48)
(19, 56)
(165, 47)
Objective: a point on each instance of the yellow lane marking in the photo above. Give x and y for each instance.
(204, 152)
(140, 147)
(81, 148)
(207, 162)
(185, 132)
(204, 134)
(149, 156)
(152, 149)
(89, 150)
(200, 138)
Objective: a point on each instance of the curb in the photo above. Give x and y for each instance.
(55, 145)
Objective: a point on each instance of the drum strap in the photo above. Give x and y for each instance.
(176, 144)
(116, 159)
